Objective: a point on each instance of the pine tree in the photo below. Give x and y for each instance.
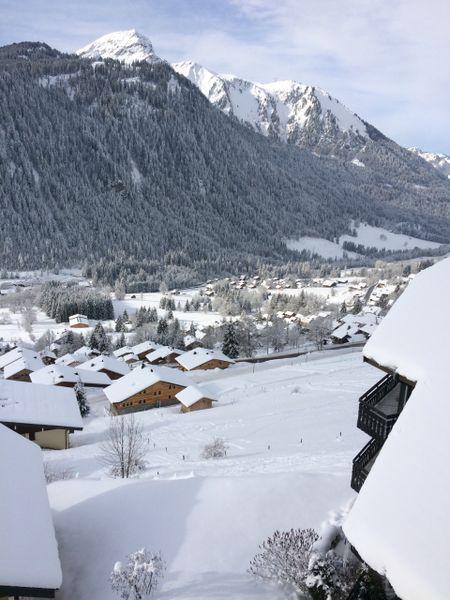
(230, 346)
(357, 306)
(119, 324)
(343, 310)
(120, 342)
(162, 331)
(80, 393)
(99, 340)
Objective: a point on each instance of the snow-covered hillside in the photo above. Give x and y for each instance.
(126, 46)
(283, 109)
(290, 430)
(441, 162)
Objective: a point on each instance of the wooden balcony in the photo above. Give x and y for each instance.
(362, 463)
(379, 408)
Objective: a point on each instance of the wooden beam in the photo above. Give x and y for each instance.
(374, 363)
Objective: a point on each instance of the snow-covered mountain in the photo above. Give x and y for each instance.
(126, 46)
(290, 111)
(441, 162)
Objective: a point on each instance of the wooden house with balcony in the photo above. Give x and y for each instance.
(146, 387)
(379, 409)
(399, 522)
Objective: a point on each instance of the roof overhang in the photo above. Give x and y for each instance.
(36, 427)
(374, 363)
(27, 592)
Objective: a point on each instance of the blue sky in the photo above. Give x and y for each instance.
(386, 60)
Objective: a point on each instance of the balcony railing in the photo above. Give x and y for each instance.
(372, 421)
(361, 462)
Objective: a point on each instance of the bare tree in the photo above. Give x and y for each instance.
(139, 577)
(319, 330)
(125, 446)
(28, 319)
(216, 449)
(284, 558)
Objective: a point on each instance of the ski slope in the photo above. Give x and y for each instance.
(290, 426)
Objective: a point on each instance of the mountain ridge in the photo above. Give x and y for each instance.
(106, 161)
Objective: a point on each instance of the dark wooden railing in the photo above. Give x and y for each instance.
(379, 390)
(361, 460)
(372, 421)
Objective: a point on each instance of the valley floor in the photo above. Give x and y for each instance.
(290, 426)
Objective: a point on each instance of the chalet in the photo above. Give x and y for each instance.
(48, 357)
(111, 366)
(122, 351)
(78, 321)
(68, 377)
(131, 359)
(202, 358)
(69, 360)
(191, 342)
(399, 523)
(143, 349)
(29, 561)
(145, 388)
(20, 369)
(164, 355)
(194, 398)
(44, 415)
(14, 354)
(85, 352)
(329, 283)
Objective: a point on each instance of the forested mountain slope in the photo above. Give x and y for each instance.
(100, 160)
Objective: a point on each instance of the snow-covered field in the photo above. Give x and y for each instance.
(290, 426)
(152, 299)
(367, 236)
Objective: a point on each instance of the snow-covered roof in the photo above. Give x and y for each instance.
(400, 521)
(75, 319)
(140, 379)
(198, 356)
(29, 363)
(54, 374)
(344, 331)
(37, 404)
(360, 319)
(85, 351)
(190, 339)
(144, 347)
(28, 552)
(17, 354)
(47, 354)
(162, 352)
(68, 359)
(414, 336)
(106, 362)
(122, 351)
(194, 393)
(129, 357)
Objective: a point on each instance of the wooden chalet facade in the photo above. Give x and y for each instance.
(146, 388)
(78, 321)
(203, 359)
(379, 409)
(195, 398)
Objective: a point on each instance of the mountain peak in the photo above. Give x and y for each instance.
(126, 46)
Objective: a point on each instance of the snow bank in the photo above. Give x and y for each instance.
(207, 529)
(28, 550)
